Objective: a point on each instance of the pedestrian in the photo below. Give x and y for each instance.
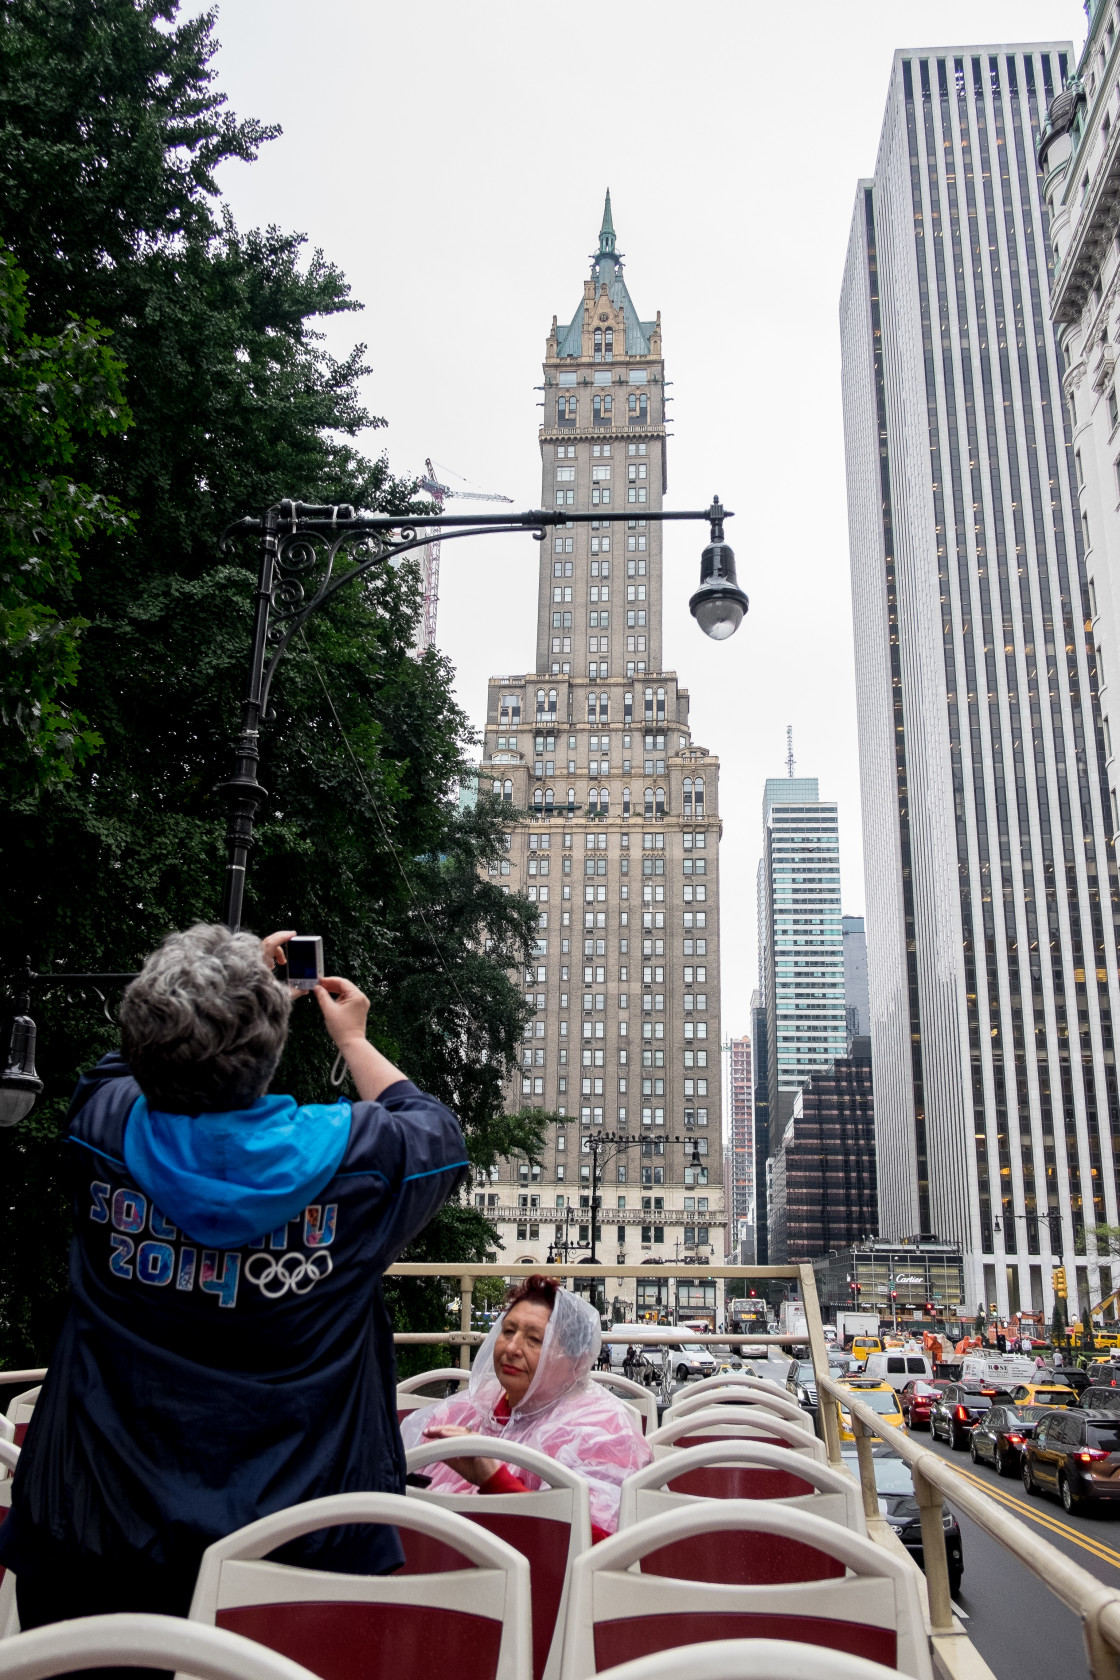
(227, 1351)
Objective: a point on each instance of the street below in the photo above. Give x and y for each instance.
(1019, 1627)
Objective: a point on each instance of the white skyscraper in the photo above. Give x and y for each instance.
(801, 951)
(990, 882)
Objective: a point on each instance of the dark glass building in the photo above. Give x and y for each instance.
(823, 1188)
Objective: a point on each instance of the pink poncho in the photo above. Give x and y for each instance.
(564, 1414)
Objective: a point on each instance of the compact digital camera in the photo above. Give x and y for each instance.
(305, 962)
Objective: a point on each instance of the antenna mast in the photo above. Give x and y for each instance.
(789, 751)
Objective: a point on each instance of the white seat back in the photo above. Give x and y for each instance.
(141, 1641)
(733, 1379)
(755, 1423)
(370, 1619)
(742, 1470)
(20, 1409)
(635, 1395)
(408, 1400)
(750, 1659)
(782, 1404)
(551, 1526)
(749, 1564)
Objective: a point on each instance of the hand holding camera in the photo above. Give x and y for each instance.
(344, 1007)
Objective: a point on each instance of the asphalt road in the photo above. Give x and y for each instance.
(1020, 1629)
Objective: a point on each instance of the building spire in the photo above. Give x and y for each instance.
(790, 761)
(606, 232)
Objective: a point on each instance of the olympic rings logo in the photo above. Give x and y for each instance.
(297, 1272)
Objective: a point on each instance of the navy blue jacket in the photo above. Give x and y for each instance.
(194, 1390)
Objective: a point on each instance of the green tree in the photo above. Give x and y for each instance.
(366, 837)
(1058, 1324)
(52, 392)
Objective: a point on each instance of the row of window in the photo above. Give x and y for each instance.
(547, 702)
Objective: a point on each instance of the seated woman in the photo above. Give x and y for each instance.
(530, 1385)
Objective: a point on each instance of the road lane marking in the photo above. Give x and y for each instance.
(1044, 1519)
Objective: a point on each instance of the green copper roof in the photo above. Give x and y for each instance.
(606, 232)
(606, 270)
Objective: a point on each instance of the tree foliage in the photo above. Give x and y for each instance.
(110, 132)
(52, 392)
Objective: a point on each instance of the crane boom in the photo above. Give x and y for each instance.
(439, 492)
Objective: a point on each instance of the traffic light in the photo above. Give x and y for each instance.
(894, 1294)
(754, 1294)
(929, 1309)
(1058, 1280)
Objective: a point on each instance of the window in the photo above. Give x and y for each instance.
(566, 409)
(1113, 406)
(601, 409)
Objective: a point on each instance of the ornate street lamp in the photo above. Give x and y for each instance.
(719, 605)
(303, 551)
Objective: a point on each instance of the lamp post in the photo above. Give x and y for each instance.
(303, 552)
(301, 543)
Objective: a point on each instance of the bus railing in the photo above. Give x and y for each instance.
(1096, 1606)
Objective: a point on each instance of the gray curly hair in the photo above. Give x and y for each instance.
(204, 1023)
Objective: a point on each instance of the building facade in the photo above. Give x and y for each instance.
(739, 1176)
(913, 1282)
(621, 851)
(1079, 154)
(857, 1000)
(761, 1117)
(823, 1192)
(990, 879)
(801, 952)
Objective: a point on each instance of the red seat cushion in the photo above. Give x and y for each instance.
(373, 1641)
(707, 1440)
(742, 1557)
(543, 1541)
(640, 1636)
(740, 1481)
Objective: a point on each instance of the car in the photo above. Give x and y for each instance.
(1096, 1399)
(1102, 1373)
(916, 1400)
(880, 1396)
(1074, 1377)
(1001, 1434)
(1043, 1394)
(896, 1367)
(1075, 1454)
(953, 1414)
(895, 1487)
(801, 1378)
(863, 1345)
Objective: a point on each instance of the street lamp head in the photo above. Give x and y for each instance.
(719, 605)
(19, 1083)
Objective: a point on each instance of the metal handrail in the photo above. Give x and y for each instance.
(1097, 1606)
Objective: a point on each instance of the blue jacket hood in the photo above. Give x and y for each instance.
(227, 1179)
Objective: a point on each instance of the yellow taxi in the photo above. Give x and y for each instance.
(863, 1345)
(1043, 1394)
(880, 1396)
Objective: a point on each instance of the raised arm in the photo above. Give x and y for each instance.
(345, 1010)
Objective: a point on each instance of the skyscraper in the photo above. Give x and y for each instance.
(1078, 155)
(760, 1059)
(822, 1182)
(990, 883)
(621, 852)
(801, 954)
(857, 1003)
(739, 1184)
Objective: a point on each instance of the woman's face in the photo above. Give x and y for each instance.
(517, 1352)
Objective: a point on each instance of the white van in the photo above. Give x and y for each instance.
(896, 1367)
(1000, 1370)
(685, 1357)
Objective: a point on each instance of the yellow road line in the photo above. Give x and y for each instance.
(1044, 1519)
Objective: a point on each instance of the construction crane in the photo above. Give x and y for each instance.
(430, 562)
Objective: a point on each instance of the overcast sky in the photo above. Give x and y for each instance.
(452, 157)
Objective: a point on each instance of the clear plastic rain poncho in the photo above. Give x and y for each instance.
(564, 1414)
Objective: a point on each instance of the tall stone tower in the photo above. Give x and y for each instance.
(622, 848)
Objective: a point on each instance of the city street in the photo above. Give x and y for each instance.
(1019, 1628)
